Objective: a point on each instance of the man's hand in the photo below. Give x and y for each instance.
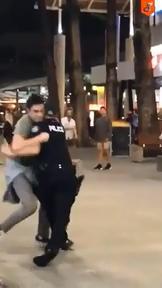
(43, 137)
(160, 137)
(75, 134)
(76, 137)
(6, 150)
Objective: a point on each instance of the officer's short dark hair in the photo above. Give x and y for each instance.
(34, 99)
(49, 110)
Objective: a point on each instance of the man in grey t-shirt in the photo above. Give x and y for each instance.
(103, 137)
(14, 166)
(21, 175)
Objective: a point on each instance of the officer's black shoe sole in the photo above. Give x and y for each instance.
(45, 259)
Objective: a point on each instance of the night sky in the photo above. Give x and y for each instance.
(18, 18)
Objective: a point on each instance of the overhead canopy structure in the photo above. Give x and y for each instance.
(24, 84)
(92, 6)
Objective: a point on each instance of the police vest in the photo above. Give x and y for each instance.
(54, 160)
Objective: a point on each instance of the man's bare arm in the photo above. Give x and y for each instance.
(75, 133)
(20, 143)
(27, 151)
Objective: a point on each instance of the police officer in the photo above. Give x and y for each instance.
(57, 184)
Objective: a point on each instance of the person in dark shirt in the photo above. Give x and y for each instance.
(8, 127)
(41, 162)
(57, 185)
(103, 137)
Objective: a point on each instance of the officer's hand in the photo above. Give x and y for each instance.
(43, 137)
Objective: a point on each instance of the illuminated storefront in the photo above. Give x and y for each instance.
(125, 72)
(100, 92)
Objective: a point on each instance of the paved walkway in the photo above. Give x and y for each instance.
(117, 229)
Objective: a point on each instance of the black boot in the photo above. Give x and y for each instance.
(67, 245)
(79, 180)
(46, 258)
(41, 239)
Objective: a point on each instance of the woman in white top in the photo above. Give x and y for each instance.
(70, 128)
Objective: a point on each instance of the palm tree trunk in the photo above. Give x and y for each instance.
(53, 98)
(130, 95)
(147, 110)
(78, 98)
(111, 60)
(122, 87)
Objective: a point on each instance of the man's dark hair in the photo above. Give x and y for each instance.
(50, 111)
(34, 99)
(103, 107)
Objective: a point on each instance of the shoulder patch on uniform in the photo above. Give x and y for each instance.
(35, 129)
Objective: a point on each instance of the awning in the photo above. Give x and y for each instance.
(92, 6)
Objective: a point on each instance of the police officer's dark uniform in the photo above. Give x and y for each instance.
(57, 184)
